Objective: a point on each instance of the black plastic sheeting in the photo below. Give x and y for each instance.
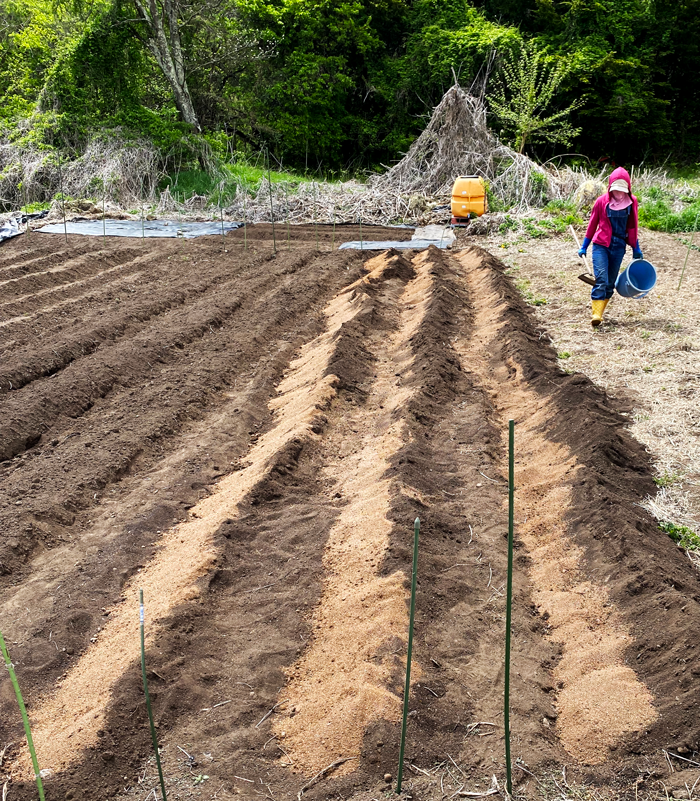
(135, 228)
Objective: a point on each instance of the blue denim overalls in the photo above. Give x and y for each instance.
(607, 260)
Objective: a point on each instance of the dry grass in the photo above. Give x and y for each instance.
(647, 351)
(122, 171)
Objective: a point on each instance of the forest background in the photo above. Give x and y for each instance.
(338, 86)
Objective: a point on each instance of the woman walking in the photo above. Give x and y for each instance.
(614, 224)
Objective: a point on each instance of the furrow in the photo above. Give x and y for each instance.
(31, 411)
(62, 295)
(41, 257)
(19, 370)
(349, 675)
(137, 421)
(85, 267)
(602, 701)
(67, 722)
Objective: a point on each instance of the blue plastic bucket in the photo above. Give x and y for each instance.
(637, 280)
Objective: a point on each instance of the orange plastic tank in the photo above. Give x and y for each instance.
(469, 196)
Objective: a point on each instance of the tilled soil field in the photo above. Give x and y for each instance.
(247, 436)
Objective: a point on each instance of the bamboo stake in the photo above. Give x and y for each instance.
(154, 736)
(509, 601)
(690, 247)
(23, 713)
(407, 686)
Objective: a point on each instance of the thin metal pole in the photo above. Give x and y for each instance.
(154, 736)
(104, 224)
(286, 202)
(333, 241)
(63, 197)
(245, 217)
(315, 220)
(143, 222)
(362, 244)
(690, 247)
(221, 214)
(23, 713)
(407, 686)
(509, 600)
(26, 210)
(272, 213)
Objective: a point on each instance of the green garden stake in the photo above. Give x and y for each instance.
(509, 601)
(407, 686)
(690, 247)
(154, 736)
(25, 718)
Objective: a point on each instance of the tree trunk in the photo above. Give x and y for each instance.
(164, 44)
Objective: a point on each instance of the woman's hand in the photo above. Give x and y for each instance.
(582, 252)
(637, 254)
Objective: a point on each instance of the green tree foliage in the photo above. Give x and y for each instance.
(348, 83)
(524, 94)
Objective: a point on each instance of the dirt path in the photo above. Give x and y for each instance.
(249, 439)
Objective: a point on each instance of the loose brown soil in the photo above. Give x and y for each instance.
(247, 435)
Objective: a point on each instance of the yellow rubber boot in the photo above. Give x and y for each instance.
(598, 307)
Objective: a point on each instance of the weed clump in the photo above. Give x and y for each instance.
(683, 536)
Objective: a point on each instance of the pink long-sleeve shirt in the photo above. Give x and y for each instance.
(599, 228)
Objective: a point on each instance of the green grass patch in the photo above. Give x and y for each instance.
(657, 214)
(231, 179)
(683, 536)
(563, 213)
